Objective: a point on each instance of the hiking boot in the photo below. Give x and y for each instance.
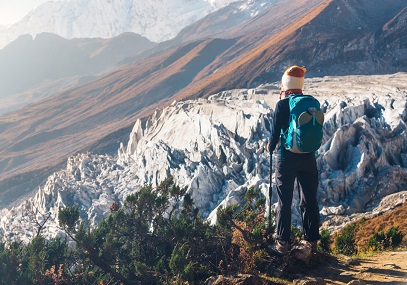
(279, 248)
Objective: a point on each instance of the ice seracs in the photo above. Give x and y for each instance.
(207, 145)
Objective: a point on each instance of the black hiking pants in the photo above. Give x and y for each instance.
(292, 166)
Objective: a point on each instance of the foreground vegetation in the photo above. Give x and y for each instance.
(346, 242)
(158, 237)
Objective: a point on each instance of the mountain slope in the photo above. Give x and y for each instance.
(32, 138)
(222, 23)
(334, 38)
(28, 62)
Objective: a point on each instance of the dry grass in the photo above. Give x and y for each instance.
(394, 218)
(245, 259)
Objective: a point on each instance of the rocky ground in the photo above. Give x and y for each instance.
(301, 267)
(389, 267)
(386, 267)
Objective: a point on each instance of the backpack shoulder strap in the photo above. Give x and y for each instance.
(295, 98)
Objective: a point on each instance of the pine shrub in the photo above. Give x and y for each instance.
(346, 242)
(384, 240)
(326, 240)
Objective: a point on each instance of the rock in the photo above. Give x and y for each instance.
(309, 281)
(327, 211)
(346, 259)
(302, 251)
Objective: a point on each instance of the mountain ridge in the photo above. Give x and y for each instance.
(260, 54)
(273, 53)
(105, 19)
(42, 54)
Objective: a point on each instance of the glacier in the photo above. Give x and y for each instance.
(216, 148)
(157, 20)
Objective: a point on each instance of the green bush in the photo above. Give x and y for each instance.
(381, 240)
(156, 236)
(394, 236)
(180, 266)
(296, 234)
(325, 242)
(346, 243)
(376, 242)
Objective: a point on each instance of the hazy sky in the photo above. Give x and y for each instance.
(13, 10)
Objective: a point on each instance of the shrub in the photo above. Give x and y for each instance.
(249, 231)
(381, 240)
(346, 243)
(155, 237)
(376, 242)
(394, 236)
(296, 234)
(179, 264)
(325, 242)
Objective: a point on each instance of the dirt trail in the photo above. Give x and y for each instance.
(381, 268)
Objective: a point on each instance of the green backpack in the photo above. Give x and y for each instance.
(304, 133)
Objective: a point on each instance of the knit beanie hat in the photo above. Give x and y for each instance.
(293, 78)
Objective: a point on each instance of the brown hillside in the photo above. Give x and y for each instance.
(394, 218)
(241, 72)
(330, 38)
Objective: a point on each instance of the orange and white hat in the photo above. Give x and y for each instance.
(293, 78)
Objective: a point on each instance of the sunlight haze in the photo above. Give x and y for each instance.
(12, 11)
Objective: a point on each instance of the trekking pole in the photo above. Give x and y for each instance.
(270, 194)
